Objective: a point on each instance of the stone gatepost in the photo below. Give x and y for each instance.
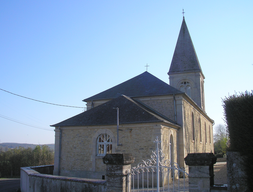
(118, 165)
(201, 175)
(236, 175)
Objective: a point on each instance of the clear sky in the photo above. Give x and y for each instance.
(65, 51)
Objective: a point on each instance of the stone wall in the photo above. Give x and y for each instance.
(79, 154)
(118, 167)
(195, 80)
(236, 176)
(33, 181)
(202, 141)
(44, 169)
(169, 144)
(162, 104)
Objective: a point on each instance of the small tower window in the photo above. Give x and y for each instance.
(185, 87)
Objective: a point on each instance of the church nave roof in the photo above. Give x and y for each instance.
(142, 85)
(130, 112)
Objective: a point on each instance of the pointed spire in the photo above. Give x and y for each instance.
(185, 58)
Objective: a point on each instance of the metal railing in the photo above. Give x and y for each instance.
(158, 174)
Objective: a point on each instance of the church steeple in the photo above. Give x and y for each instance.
(185, 72)
(185, 58)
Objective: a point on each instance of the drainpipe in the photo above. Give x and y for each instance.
(92, 104)
(118, 144)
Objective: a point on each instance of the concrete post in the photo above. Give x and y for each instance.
(201, 175)
(118, 166)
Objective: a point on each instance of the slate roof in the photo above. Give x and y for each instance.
(142, 85)
(130, 112)
(185, 58)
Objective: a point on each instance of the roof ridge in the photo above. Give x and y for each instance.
(141, 85)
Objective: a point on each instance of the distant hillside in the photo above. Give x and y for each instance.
(5, 146)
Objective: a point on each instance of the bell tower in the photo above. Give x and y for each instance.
(185, 71)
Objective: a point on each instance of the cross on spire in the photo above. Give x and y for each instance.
(146, 67)
(183, 12)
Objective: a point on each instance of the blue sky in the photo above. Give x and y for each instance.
(65, 51)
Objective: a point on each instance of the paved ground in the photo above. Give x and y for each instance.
(9, 184)
(220, 173)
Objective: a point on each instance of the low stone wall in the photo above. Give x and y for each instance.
(44, 169)
(33, 181)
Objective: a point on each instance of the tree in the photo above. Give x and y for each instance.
(46, 155)
(12, 159)
(220, 140)
(37, 155)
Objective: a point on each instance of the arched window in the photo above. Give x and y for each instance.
(104, 144)
(193, 128)
(200, 131)
(185, 87)
(205, 134)
(171, 151)
(202, 96)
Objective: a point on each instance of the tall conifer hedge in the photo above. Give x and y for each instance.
(239, 118)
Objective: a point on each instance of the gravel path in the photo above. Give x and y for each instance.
(220, 173)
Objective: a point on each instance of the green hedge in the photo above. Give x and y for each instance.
(239, 118)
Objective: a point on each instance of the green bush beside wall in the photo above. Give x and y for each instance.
(239, 118)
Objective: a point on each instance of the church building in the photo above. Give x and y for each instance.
(128, 117)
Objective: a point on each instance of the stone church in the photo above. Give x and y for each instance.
(128, 117)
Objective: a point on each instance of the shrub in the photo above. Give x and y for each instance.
(239, 118)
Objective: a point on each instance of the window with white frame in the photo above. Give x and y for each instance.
(104, 144)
